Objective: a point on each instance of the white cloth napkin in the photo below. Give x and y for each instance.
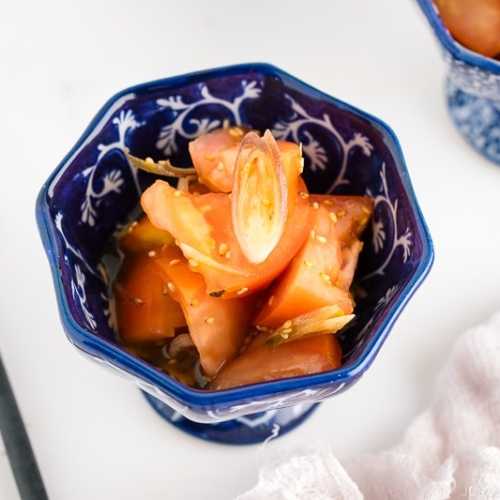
(451, 451)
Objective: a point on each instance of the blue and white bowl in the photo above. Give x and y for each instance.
(94, 190)
(472, 88)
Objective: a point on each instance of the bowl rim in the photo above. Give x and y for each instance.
(454, 48)
(103, 349)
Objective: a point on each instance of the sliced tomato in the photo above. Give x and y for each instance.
(217, 327)
(203, 230)
(177, 212)
(351, 215)
(309, 281)
(145, 312)
(260, 364)
(142, 235)
(473, 23)
(212, 158)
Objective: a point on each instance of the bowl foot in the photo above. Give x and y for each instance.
(249, 429)
(477, 119)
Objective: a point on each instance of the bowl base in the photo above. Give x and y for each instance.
(249, 429)
(477, 119)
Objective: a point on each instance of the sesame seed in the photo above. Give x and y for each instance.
(174, 262)
(287, 324)
(193, 263)
(341, 213)
(235, 131)
(194, 302)
(316, 205)
(333, 217)
(242, 290)
(286, 332)
(220, 166)
(223, 248)
(284, 335)
(171, 286)
(138, 301)
(308, 263)
(325, 277)
(321, 238)
(209, 320)
(365, 210)
(270, 301)
(151, 253)
(149, 160)
(209, 157)
(178, 194)
(205, 208)
(303, 194)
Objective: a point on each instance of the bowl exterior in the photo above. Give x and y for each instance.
(94, 191)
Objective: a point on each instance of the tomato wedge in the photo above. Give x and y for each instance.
(260, 364)
(145, 312)
(351, 215)
(309, 281)
(142, 235)
(214, 158)
(217, 327)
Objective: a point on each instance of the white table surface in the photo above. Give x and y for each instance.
(94, 435)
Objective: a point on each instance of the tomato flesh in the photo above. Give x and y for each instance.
(309, 281)
(142, 235)
(351, 215)
(260, 364)
(145, 312)
(217, 327)
(213, 156)
(473, 23)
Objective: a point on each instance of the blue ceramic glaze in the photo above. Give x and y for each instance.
(93, 191)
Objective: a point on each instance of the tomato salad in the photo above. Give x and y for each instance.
(235, 274)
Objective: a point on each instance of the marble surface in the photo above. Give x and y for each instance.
(93, 433)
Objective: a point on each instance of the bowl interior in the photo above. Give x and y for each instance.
(94, 191)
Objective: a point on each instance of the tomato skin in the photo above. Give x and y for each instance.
(260, 364)
(145, 312)
(309, 281)
(217, 327)
(473, 23)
